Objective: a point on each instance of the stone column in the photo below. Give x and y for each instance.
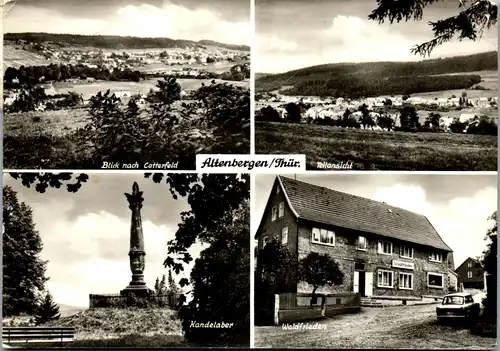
(136, 254)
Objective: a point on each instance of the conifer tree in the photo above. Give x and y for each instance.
(47, 310)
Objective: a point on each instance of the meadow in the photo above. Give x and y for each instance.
(378, 150)
(16, 58)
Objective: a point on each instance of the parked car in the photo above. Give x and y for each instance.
(458, 305)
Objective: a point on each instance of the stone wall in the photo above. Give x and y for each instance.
(119, 301)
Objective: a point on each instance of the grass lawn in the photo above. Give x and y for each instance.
(378, 150)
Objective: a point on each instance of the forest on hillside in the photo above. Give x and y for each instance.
(354, 86)
(392, 73)
(116, 42)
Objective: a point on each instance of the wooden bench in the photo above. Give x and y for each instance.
(23, 335)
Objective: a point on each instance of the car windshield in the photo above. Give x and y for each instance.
(453, 300)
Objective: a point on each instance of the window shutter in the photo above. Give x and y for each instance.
(379, 247)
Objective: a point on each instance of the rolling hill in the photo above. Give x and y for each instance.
(361, 78)
(116, 42)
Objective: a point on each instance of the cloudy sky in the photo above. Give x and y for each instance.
(292, 34)
(220, 20)
(86, 234)
(457, 205)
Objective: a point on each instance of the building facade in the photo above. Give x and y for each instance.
(382, 250)
(471, 274)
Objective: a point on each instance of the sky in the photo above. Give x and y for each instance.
(457, 205)
(226, 21)
(292, 34)
(86, 234)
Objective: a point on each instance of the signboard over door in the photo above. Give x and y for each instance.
(403, 264)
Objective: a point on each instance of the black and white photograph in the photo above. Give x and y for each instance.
(124, 84)
(136, 260)
(378, 84)
(384, 261)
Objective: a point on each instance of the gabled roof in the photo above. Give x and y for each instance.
(476, 261)
(327, 206)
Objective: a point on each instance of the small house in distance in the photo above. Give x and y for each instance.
(471, 274)
(385, 252)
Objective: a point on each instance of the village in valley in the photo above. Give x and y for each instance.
(321, 110)
(61, 89)
(386, 96)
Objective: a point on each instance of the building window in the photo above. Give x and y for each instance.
(278, 189)
(323, 236)
(385, 247)
(406, 281)
(284, 235)
(273, 218)
(362, 244)
(436, 257)
(469, 264)
(469, 274)
(435, 280)
(385, 279)
(264, 242)
(406, 252)
(282, 210)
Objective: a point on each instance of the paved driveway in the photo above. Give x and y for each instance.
(390, 327)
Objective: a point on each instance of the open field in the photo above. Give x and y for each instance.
(142, 87)
(380, 328)
(377, 149)
(16, 58)
(55, 123)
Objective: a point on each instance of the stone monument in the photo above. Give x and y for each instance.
(137, 285)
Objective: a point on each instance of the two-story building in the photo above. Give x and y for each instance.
(471, 274)
(382, 250)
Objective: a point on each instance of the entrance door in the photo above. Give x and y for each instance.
(368, 283)
(362, 282)
(356, 282)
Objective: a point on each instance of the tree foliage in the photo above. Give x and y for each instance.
(319, 270)
(23, 269)
(472, 19)
(221, 283)
(47, 310)
(275, 260)
(489, 263)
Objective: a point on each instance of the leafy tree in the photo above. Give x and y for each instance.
(270, 114)
(385, 121)
(276, 260)
(221, 284)
(489, 262)
(366, 119)
(224, 109)
(23, 269)
(458, 127)
(409, 118)
(319, 270)
(472, 19)
(294, 114)
(432, 120)
(47, 310)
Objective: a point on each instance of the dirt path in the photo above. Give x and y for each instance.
(391, 327)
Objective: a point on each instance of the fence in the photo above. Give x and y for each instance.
(117, 300)
(292, 307)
